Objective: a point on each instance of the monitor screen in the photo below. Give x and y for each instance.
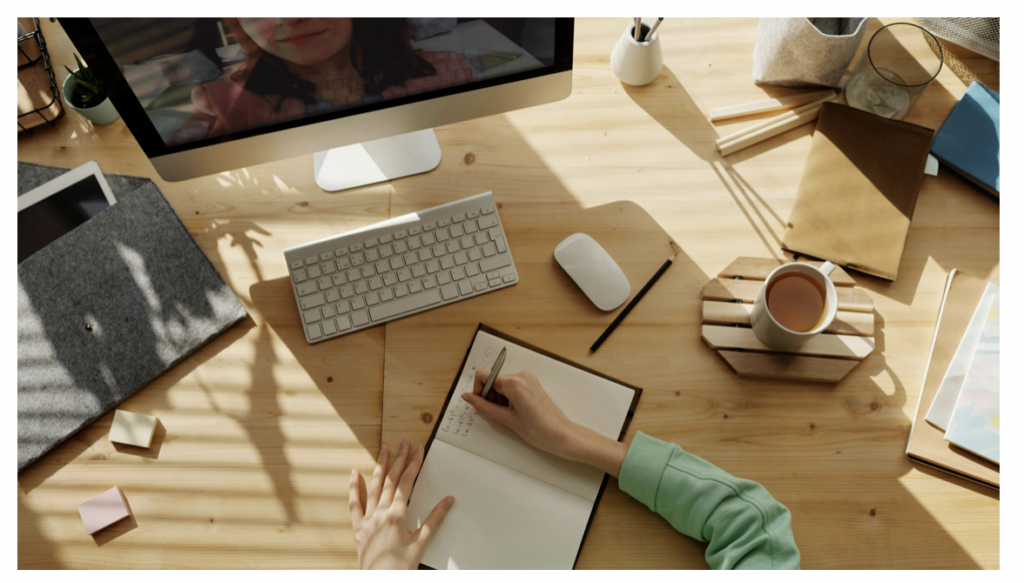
(205, 80)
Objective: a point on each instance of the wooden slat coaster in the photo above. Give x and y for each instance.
(827, 358)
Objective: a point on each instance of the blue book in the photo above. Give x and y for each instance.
(968, 141)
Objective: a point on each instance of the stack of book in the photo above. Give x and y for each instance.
(956, 426)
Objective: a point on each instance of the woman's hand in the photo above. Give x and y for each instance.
(520, 402)
(382, 540)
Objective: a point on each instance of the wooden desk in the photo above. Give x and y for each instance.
(260, 430)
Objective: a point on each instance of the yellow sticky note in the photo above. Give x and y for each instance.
(133, 428)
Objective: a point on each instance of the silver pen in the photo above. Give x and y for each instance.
(494, 373)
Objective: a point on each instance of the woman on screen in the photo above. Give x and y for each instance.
(300, 67)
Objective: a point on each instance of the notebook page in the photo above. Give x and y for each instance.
(501, 519)
(585, 398)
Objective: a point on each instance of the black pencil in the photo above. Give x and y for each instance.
(635, 301)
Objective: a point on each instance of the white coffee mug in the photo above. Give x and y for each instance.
(775, 335)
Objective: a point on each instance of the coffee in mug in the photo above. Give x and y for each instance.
(797, 301)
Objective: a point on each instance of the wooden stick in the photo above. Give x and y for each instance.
(771, 121)
(768, 105)
(770, 131)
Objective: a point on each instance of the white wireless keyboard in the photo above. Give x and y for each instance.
(400, 267)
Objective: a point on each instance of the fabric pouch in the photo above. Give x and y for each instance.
(796, 52)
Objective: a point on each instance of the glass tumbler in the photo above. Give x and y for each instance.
(889, 78)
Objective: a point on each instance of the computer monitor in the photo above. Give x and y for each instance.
(207, 95)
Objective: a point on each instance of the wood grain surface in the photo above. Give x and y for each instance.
(259, 430)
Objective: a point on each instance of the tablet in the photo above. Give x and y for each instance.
(55, 208)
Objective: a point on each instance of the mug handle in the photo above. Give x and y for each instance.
(826, 268)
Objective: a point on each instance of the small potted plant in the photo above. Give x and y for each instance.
(82, 93)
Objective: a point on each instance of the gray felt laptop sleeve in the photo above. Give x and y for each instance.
(107, 308)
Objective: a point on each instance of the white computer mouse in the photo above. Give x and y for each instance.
(594, 270)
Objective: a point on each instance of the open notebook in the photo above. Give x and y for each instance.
(516, 507)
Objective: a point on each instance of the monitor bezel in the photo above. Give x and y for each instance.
(94, 52)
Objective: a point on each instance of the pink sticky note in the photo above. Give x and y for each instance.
(104, 510)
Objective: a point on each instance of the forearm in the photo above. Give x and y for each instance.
(590, 447)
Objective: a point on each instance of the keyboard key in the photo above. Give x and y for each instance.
(404, 274)
(472, 269)
(475, 254)
(385, 239)
(357, 260)
(456, 231)
(390, 279)
(357, 303)
(466, 242)
(458, 274)
(480, 286)
(313, 331)
(353, 275)
(371, 255)
(383, 266)
(397, 263)
(501, 245)
(327, 256)
(509, 278)
(361, 287)
(312, 301)
(414, 231)
(299, 276)
(424, 254)
(494, 263)
(470, 227)
(359, 318)
(465, 288)
(439, 250)
(328, 268)
(386, 252)
(443, 278)
(343, 324)
(493, 275)
(410, 258)
(442, 235)
(449, 292)
(329, 328)
(297, 264)
(453, 246)
(400, 247)
(339, 278)
(428, 283)
(418, 270)
(487, 222)
(401, 235)
(415, 286)
(443, 222)
(433, 266)
(332, 295)
(489, 250)
(342, 308)
(340, 252)
(355, 247)
(386, 295)
(371, 299)
(447, 263)
(313, 272)
(401, 290)
(428, 239)
(376, 283)
(487, 210)
(370, 243)
(311, 260)
(367, 270)
(477, 279)
(342, 264)
(328, 311)
(494, 282)
(480, 238)
(325, 283)
(392, 309)
(494, 233)
(306, 288)
(472, 214)
(429, 226)
(458, 218)
(460, 258)
(347, 292)
(310, 316)
(415, 243)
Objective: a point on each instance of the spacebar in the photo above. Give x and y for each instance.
(392, 309)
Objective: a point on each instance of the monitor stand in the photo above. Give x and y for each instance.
(376, 161)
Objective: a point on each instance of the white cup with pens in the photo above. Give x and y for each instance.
(636, 59)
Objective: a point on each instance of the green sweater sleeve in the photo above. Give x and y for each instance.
(744, 526)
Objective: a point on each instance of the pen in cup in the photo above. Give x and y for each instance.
(653, 28)
(494, 373)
